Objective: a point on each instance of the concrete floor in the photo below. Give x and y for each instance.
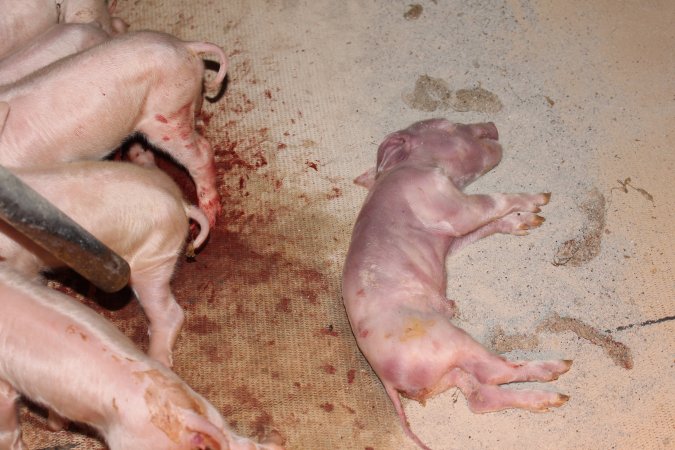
(583, 96)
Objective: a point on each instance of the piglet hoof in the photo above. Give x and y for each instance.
(532, 202)
(547, 197)
(519, 223)
(560, 400)
(559, 367)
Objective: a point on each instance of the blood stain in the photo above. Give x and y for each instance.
(328, 407)
(329, 368)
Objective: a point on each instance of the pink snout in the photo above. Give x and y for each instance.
(484, 130)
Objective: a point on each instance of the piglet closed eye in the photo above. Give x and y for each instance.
(394, 279)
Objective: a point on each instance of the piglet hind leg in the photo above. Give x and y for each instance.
(10, 430)
(478, 372)
(166, 317)
(483, 398)
(176, 135)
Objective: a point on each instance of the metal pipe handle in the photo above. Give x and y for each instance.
(34, 216)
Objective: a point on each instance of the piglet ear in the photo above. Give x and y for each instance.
(201, 434)
(366, 179)
(112, 4)
(395, 149)
(4, 111)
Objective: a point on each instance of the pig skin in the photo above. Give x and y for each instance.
(138, 212)
(87, 104)
(394, 279)
(24, 20)
(59, 41)
(61, 354)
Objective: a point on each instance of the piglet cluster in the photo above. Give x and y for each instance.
(74, 85)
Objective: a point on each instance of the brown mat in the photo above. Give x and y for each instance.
(582, 96)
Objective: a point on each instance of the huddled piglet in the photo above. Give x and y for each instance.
(23, 20)
(59, 41)
(87, 104)
(61, 354)
(394, 280)
(138, 212)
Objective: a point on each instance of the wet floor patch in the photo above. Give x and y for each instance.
(432, 94)
(501, 342)
(620, 353)
(414, 12)
(587, 244)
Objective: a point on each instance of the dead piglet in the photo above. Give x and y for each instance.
(64, 356)
(139, 213)
(59, 41)
(21, 21)
(394, 279)
(142, 82)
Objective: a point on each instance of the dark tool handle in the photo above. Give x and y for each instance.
(39, 220)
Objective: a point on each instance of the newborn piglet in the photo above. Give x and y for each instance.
(139, 213)
(21, 21)
(57, 42)
(85, 105)
(394, 279)
(62, 355)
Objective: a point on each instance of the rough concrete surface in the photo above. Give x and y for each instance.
(583, 96)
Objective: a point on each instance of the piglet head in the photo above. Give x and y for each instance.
(465, 152)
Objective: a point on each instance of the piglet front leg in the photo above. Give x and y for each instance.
(477, 211)
(516, 223)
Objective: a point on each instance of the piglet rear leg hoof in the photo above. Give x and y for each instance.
(489, 398)
(532, 202)
(484, 398)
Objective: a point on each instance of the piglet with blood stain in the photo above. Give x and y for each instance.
(84, 106)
